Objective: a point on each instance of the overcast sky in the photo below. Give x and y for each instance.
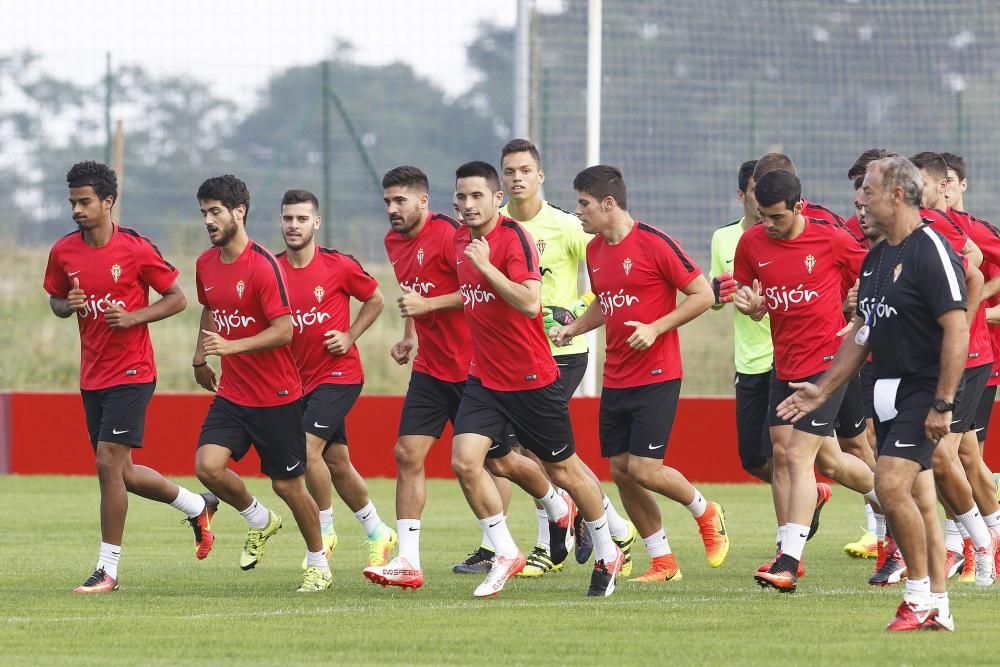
(238, 43)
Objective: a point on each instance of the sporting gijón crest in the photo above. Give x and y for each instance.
(627, 265)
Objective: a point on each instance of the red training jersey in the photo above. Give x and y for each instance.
(802, 280)
(637, 280)
(320, 298)
(987, 238)
(509, 351)
(426, 264)
(119, 272)
(243, 298)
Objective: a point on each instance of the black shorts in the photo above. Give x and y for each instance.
(867, 378)
(822, 421)
(572, 368)
(967, 399)
(117, 414)
(752, 434)
(275, 432)
(851, 416)
(984, 411)
(638, 420)
(430, 403)
(903, 435)
(326, 409)
(539, 418)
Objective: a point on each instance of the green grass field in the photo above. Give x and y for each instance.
(173, 610)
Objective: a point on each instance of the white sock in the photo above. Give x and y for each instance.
(952, 538)
(326, 520)
(780, 537)
(409, 540)
(496, 527)
(368, 517)
(108, 559)
(543, 529)
(871, 497)
(941, 603)
(963, 532)
(486, 544)
(973, 522)
(257, 515)
(657, 544)
(993, 520)
(918, 592)
(697, 506)
(616, 524)
(190, 503)
(604, 548)
(869, 518)
(880, 527)
(795, 540)
(554, 504)
(317, 559)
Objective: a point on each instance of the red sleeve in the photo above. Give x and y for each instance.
(199, 287)
(743, 268)
(269, 284)
(852, 256)
(449, 250)
(987, 241)
(154, 269)
(56, 283)
(358, 283)
(520, 256)
(676, 267)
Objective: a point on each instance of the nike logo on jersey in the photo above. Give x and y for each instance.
(564, 447)
(905, 444)
(72, 274)
(730, 261)
(117, 432)
(816, 423)
(290, 469)
(318, 425)
(763, 264)
(595, 269)
(394, 264)
(868, 273)
(209, 289)
(657, 446)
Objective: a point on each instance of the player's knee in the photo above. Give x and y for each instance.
(643, 471)
(108, 465)
(464, 467)
(407, 459)
(501, 467)
(619, 472)
(208, 472)
(287, 488)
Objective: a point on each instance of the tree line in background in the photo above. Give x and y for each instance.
(179, 130)
(688, 94)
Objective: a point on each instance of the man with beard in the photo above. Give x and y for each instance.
(321, 283)
(246, 320)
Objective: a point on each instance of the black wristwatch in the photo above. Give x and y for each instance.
(942, 405)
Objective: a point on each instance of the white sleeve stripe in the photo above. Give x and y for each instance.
(949, 270)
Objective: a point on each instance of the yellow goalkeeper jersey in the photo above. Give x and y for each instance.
(562, 248)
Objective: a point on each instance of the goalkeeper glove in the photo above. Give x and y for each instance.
(723, 287)
(556, 316)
